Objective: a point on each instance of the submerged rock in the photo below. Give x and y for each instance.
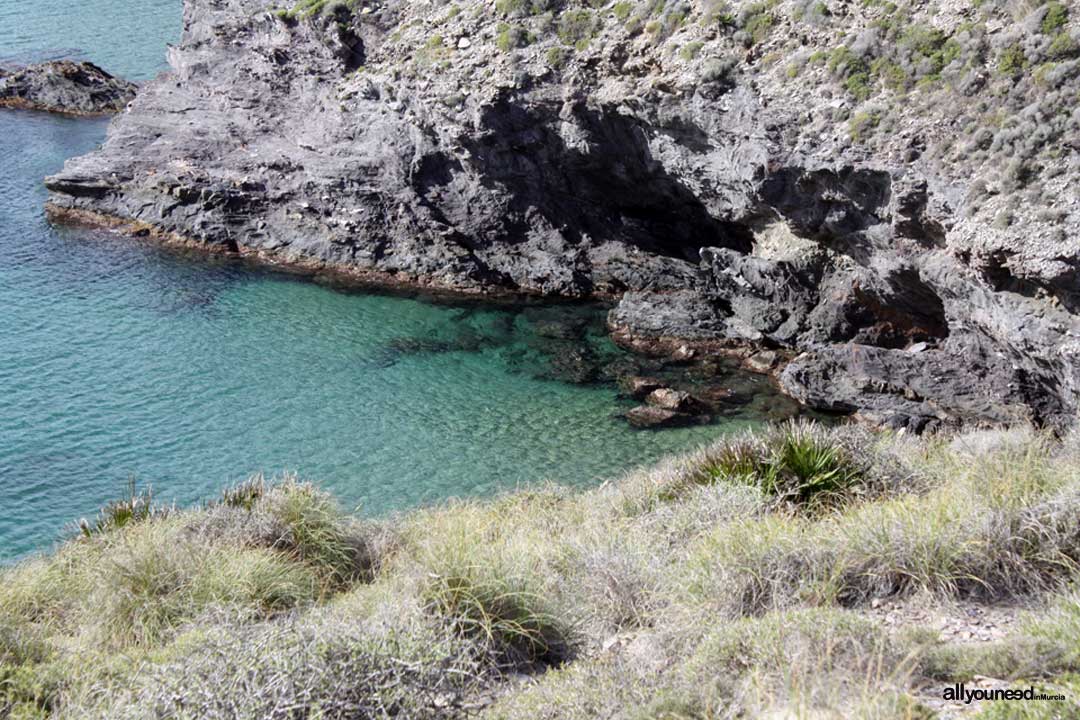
(63, 86)
(638, 387)
(647, 417)
(572, 363)
(683, 402)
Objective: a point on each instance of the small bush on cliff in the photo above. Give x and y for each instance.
(316, 8)
(577, 28)
(756, 21)
(1055, 18)
(510, 37)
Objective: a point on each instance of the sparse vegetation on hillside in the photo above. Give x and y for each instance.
(741, 578)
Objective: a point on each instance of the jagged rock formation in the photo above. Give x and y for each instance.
(63, 86)
(836, 183)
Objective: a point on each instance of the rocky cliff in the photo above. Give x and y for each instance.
(885, 194)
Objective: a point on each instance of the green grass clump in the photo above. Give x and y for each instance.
(488, 594)
(556, 57)
(136, 506)
(501, 612)
(794, 464)
(808, 468)
(1063, 47)
(153, 583)
(317, 534)
(246, 494)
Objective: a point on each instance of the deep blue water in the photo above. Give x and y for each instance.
(120, 360)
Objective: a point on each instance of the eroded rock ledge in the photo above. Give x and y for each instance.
(409, 144)
(63, 86)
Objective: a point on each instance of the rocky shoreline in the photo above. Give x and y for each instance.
(578, 154)
(65, 87)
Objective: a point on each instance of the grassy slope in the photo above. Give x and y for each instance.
(736, 580)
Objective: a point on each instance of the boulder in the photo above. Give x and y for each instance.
(63, 86)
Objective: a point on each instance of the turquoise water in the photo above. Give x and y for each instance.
(121, 360)
(126, 37)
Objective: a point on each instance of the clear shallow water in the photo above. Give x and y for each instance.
(121, 360)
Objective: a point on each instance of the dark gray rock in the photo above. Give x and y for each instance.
(63, 86)
(896, 389)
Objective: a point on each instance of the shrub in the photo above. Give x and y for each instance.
(556, 57)
(863, 124)
(1056, 17)
(1063, 47)
(1013, 61)
(719, 71)
(690, 50)
(756, 20)
(510, 37)
(577, 28)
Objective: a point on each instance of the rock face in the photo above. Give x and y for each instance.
(742, 181)
(76, 88)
